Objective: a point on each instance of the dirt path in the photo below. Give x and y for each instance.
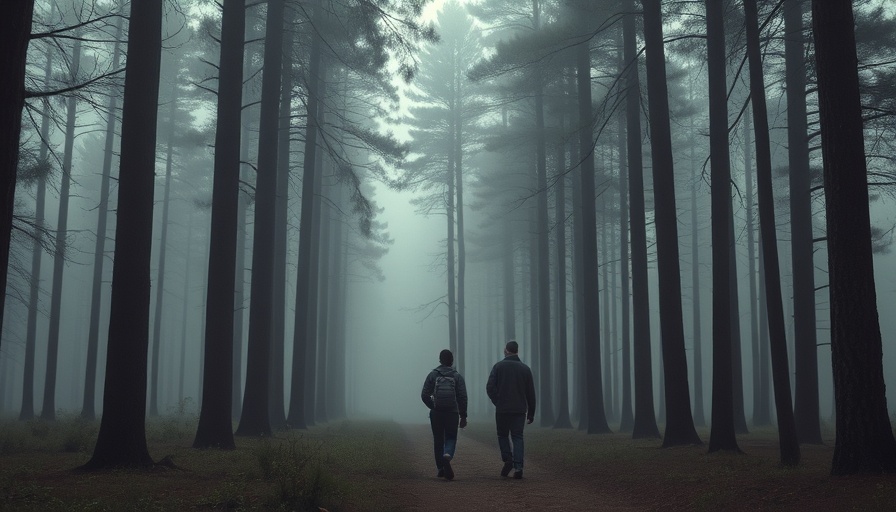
(479, 486)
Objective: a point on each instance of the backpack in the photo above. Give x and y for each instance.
(444, 396)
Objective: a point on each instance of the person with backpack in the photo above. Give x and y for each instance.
(445, 393)
(511, 388)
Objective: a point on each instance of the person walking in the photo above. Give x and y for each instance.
(511, 388)
(445, 393)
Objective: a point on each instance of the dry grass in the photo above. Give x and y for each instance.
(337, 466)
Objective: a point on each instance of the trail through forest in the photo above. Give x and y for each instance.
(477, 484)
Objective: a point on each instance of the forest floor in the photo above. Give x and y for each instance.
(383, 466)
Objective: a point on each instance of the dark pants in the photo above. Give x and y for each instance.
(444, 433)
(512, 424)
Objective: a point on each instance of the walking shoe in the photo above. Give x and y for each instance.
(449, 472)
(507, 467)
(518, 474)
(441, 473)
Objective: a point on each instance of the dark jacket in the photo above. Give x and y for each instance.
(460, 389)
(511, 387)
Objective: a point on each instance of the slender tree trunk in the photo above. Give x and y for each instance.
(679, 422)
(121, 441)
(737, 370)
(751, 267)
(764, 348)
(460, 360)
(605, 306)
(722, 433)
(787, 437)
(48, 411)
(645, 417)
(593, 400)
(99, 252)
(281, 228)
(806, 408)
(865, 442)
(449, 239)
(186, 308)
(626, 419)
(37, 250)
(311, 357)
(579, 364)
(562, 419)
(298, 395)
(255, 417)
(699, 417)
(335, 341)
(160, 281)
(320, 411)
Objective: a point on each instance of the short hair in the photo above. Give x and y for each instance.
(512, 346)
(446, 357)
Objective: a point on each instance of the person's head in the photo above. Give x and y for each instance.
(446, 357)
(512, 348)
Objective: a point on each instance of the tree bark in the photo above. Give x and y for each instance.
(15, 32)
(121, 441)
(562, 419)
(722, 433)
(163, 246)
(645, 417)
(679, 423)
(296, 418)
(215, 428)
(626, 418)
(593, 400)
(865, 442)
(806, 408)
(254, 419)
(787, 436)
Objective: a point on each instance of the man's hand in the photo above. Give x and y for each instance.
(530, 419)
(463, 422)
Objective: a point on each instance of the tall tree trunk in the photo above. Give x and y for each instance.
(255, 419)
(626, 418)
(281, 229)
(865, 442)
(699, 417)
(37, 250)
(679, 423)
(605, 306)
(121, 441)
(751, 266)
(722, 433)
(787, 437)
(99, 251)
(185, 318)
(764, 348)
(737, 370)
(645, 417)
(562, 419)
(579, 373)
(215, 417)
(163, 245)
(298, 395)
(806, 408)
(15, 32)
(311, 356)
(460, 360)
(593, 400)
(48, 411)
(320, 411)
(335, 339)
(449, 239)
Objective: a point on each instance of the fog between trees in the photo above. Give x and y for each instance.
(373, 181)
